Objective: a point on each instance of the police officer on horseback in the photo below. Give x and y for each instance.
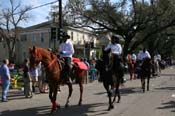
(116, 50)
(145, 61)
(66, 50)
(144, 54)
(116, 65)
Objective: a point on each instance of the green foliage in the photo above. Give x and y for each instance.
(138, 22)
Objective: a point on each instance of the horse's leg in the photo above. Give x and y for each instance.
(70, 93)
(143, 83)
(50, 91)
(81, 92)
(148, 78)
(53, 96)
(106, 86)
(117, 91)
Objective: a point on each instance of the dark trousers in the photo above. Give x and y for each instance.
(67, 66)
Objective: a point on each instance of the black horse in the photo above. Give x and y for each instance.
(143, 70)
(111, 79)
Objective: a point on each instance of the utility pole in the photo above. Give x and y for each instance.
(60, 20)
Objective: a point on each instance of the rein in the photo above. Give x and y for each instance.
(53, 61)
(50, 64)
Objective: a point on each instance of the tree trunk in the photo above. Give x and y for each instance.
(126, 47)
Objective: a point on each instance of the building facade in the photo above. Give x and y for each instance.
(40, 35)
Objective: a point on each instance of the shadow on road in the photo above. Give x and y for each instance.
(165, 88)
(168, 105)
(16, 96)
(125, 91)
(73, 110)
(169, 75)
(131, 90)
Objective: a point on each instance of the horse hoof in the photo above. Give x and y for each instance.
(112, 106)
(80, 104)
(58, 107)
(118, 101)
(67, 105)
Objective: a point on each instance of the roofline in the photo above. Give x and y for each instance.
(49, 22)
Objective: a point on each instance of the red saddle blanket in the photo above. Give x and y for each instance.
(81, 65)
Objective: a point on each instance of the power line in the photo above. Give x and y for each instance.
(38, 6)
(35, 7)
(44, 5)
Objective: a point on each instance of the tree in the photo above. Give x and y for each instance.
(136, 21)
(10, 19)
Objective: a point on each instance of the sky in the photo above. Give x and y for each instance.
(38, 15)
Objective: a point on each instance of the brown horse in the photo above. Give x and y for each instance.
(53, 72)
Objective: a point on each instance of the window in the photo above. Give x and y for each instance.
(42, 37)
(24, 55)
(4, 45)
(33, 37)
(72, 35)
(1, 39)
(84, 39)
(24, 37)
(78, 39)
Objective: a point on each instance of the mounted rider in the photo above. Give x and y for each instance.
(115, 49)
(66, 51)
(145, 59)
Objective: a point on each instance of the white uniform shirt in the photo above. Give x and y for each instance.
(157, 57)
(67, 49)
(139, 55)
(144, 55)
(115, 48)
(133, 57)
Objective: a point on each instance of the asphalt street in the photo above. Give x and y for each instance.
(159, 101)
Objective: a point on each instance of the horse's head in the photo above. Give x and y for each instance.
(105, 56)
(35, 56)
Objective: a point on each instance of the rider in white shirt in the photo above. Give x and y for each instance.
(116, 51)
(66, 50)
(114, 46)
(143, 54)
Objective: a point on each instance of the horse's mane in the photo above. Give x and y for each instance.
(46, 53)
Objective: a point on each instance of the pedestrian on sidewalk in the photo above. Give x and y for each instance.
(34, 77)
(92, 70)
(5, 78)
(27, 79)
(87, 71)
